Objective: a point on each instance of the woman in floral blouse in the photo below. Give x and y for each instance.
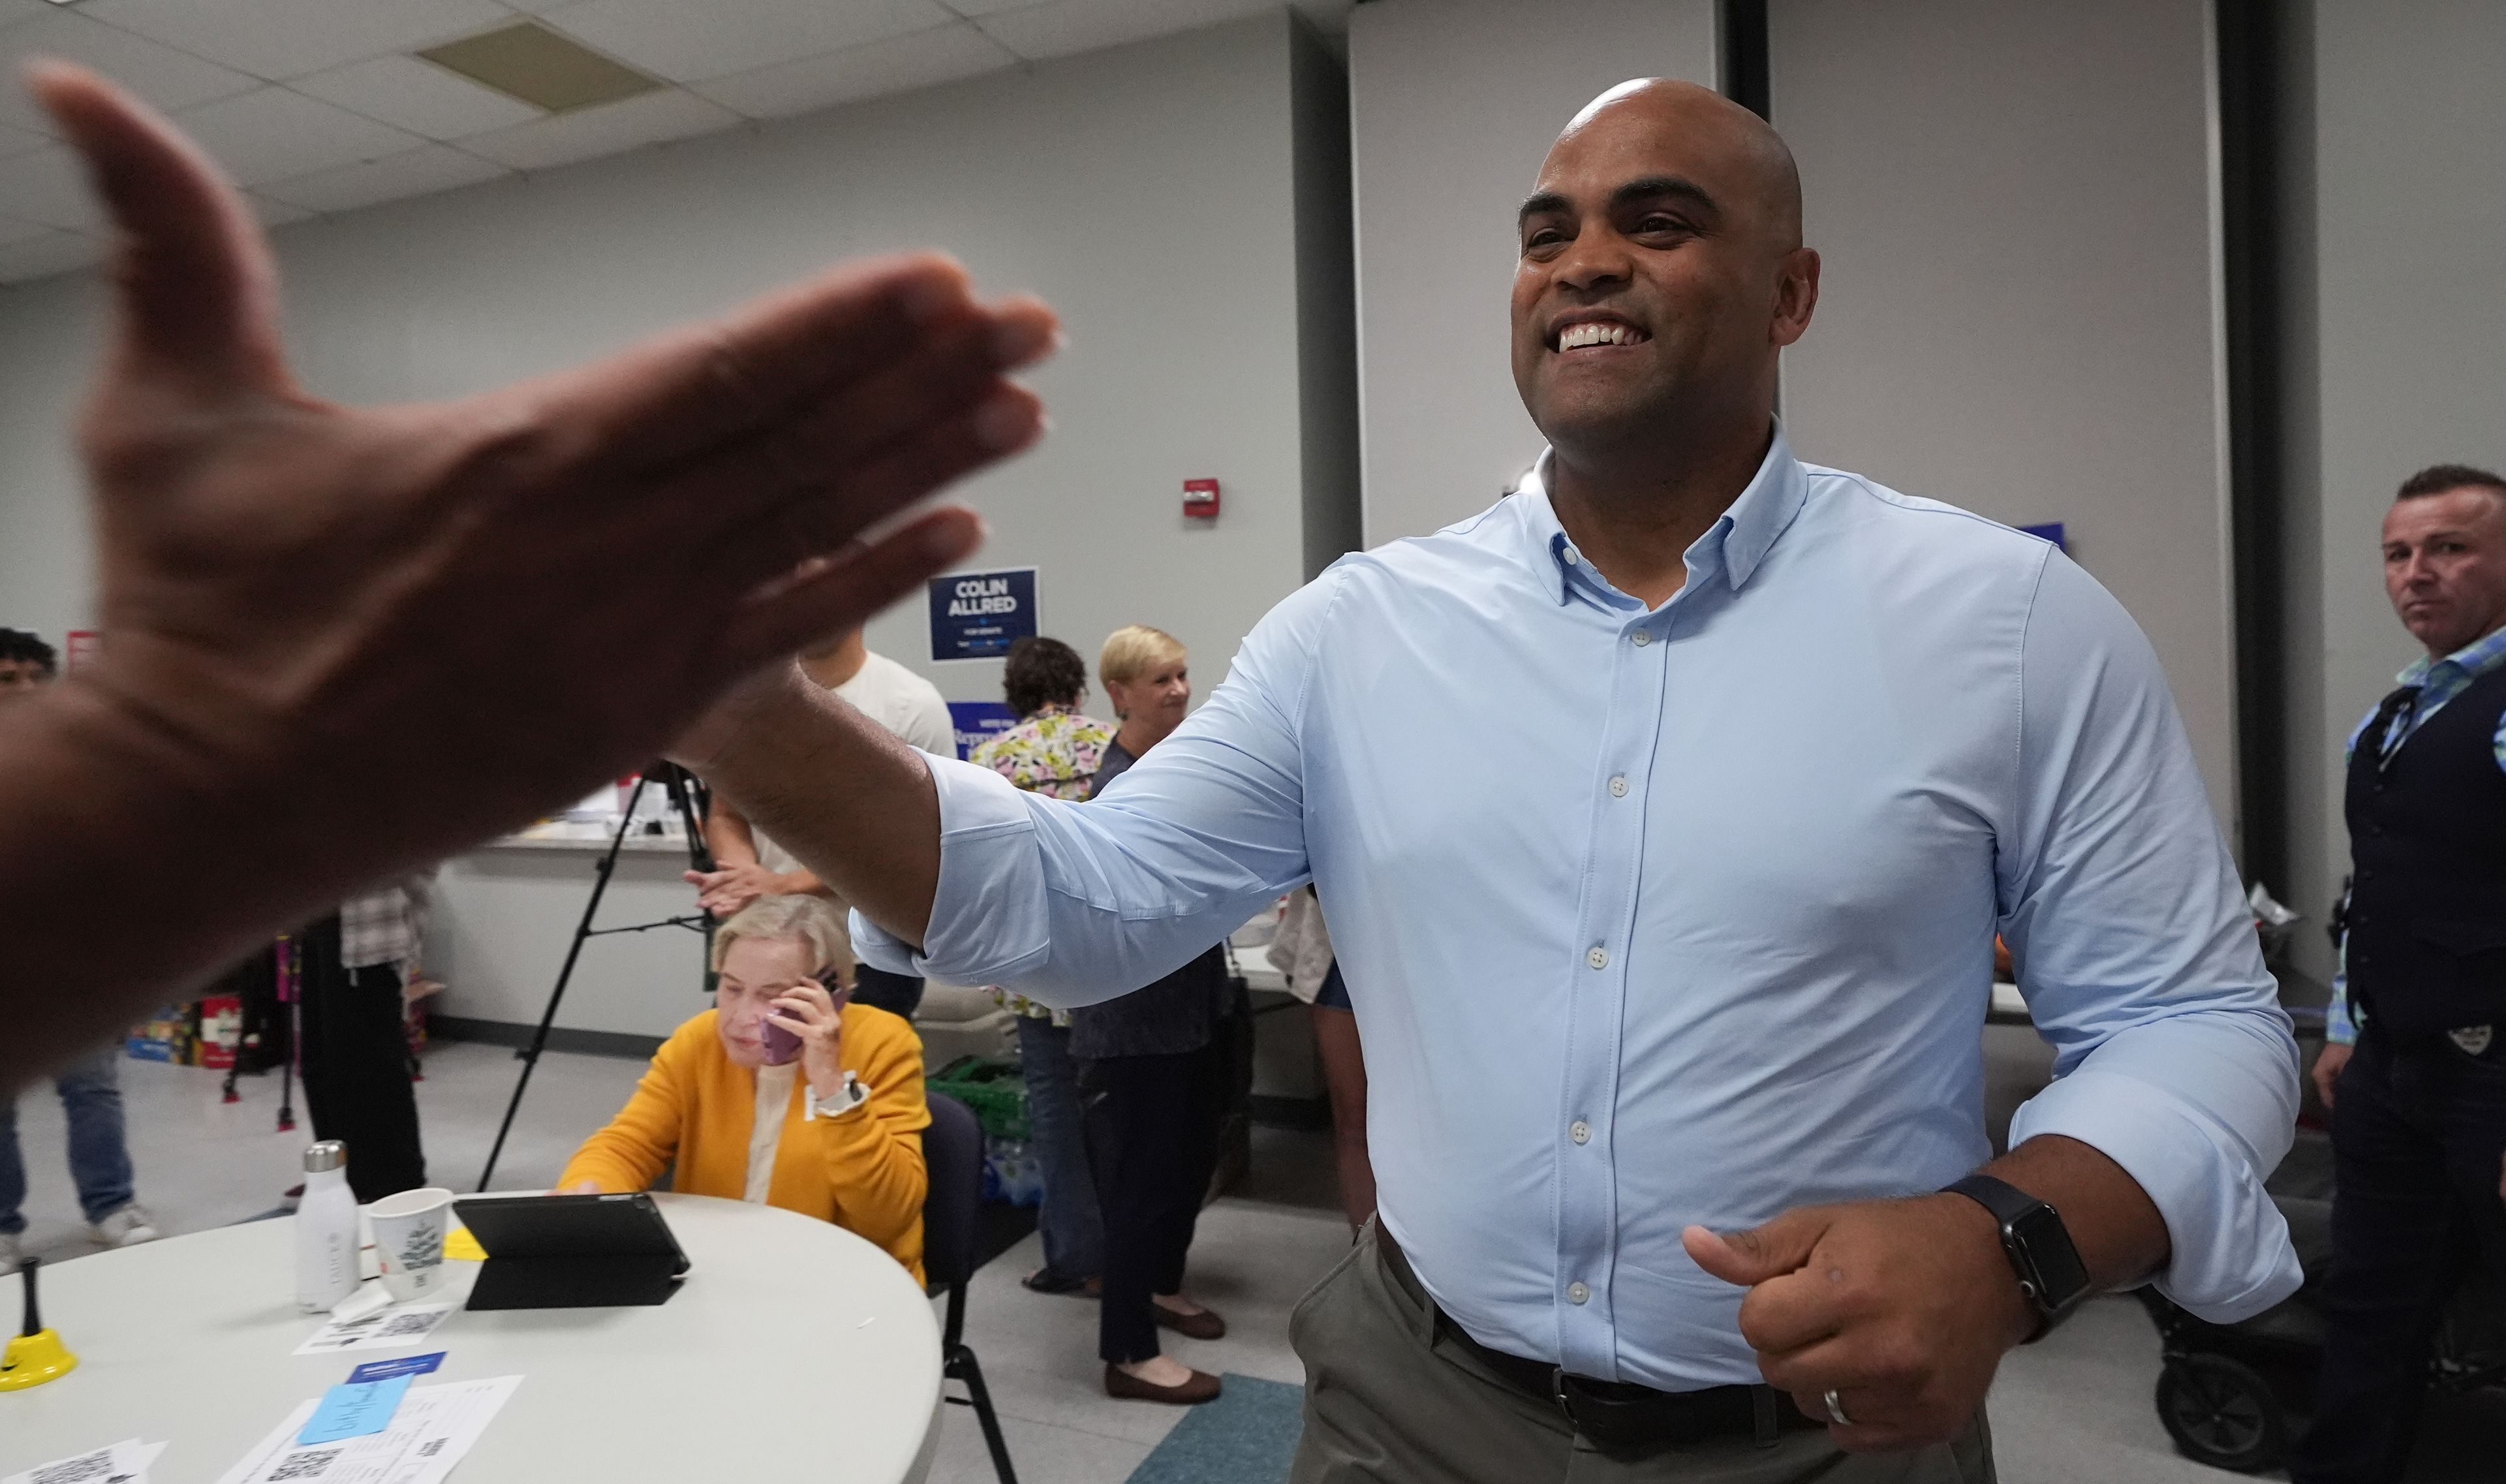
(1052, 750)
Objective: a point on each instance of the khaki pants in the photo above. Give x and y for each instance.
(1385, 1399)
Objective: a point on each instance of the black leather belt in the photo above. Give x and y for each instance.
(1618, 1415)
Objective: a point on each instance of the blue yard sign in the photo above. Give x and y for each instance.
(978, 722)
(979, 615)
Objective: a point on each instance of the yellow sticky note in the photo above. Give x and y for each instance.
(461, 1246)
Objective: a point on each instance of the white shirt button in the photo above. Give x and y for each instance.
(1580, 1131)
(1598, 958)
(1573, 557)
(1576, 1294)
(1618, 785)
(1641, 637)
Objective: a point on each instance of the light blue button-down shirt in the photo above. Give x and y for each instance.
(1677, 915)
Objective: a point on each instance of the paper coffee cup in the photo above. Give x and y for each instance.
(409, 1239)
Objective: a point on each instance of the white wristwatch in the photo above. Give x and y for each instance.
(838, 1104)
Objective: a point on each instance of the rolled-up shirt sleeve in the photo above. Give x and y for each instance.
(1070, 904)
(2139, 956)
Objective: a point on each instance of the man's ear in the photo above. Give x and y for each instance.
(1796, 296)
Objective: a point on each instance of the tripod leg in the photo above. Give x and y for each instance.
(683, 787)
(293, 993)
(530, 1055)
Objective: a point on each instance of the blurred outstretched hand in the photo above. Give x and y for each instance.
(375, 635)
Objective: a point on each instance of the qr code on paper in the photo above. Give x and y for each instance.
(86, 1467)
(302, 1466)
(408, 1323)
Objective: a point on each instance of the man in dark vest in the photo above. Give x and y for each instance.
(2414, 1064)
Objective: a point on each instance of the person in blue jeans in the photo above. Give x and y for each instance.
(1054, 749)
(91, 1093)
(1070, 1222)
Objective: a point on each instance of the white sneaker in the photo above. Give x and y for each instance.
(12, 1253)
(128, 1227)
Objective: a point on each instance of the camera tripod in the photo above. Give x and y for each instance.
(687, 793)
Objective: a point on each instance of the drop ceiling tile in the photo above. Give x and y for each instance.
(279, 39)
(416, 96)
(20, 232)
(430, 167)
(1061, 27)
(48, 186)
(606, 129)
(164, 76)
(274, 213)
(275, 133)
(940, 54)
(973, 9)
(684, 42)
(55, 252)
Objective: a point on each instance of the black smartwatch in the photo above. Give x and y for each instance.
(2039, 1247)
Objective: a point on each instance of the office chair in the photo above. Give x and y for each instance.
(952, 1156)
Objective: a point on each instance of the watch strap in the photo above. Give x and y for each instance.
(2010, 1206)
(2007, 1202)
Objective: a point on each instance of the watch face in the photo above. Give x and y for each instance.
(2040, 1235)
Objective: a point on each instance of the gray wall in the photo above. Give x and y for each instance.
(1150, 193)
(1452, 104)
(2013, 199)
(1153, 194)
(2395, 258)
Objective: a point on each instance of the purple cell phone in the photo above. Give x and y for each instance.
(781, 1045)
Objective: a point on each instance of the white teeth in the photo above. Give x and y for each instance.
(1595, 333)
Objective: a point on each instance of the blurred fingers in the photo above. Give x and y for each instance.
(694, 388)
(850, 587)
(194, 288)
(933, 380)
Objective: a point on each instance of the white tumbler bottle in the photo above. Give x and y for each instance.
(326, 1230)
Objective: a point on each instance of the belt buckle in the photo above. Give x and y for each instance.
(2472, 1040)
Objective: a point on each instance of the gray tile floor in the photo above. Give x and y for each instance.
(2072, 1410)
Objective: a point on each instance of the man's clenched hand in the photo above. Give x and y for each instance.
(1904, 1308)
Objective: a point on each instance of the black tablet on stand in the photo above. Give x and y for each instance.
(572, 1251)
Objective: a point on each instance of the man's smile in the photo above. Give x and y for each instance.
(1594, 330)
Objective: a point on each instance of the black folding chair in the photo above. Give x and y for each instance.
(952, 1154)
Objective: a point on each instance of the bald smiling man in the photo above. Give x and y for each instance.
(1665, 815)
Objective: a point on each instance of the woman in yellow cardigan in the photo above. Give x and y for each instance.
(835, 1133)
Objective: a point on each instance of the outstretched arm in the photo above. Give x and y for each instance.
(956, 873)
(309, 609)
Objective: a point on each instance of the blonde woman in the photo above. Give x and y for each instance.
(833, 1132)
(1159, 1056)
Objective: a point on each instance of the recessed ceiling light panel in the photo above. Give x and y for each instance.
(539, 66)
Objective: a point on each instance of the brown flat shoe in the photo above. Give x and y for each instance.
(1123, 1386)
(1205, 1325)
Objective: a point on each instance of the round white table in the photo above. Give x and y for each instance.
(795, 1352)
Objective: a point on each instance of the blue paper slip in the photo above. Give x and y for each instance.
(406, 1365)
(353, 1409)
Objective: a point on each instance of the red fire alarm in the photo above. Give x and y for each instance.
(1201, 499)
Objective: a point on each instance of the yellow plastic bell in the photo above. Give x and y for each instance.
(32, 1360)
(36, 1355)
